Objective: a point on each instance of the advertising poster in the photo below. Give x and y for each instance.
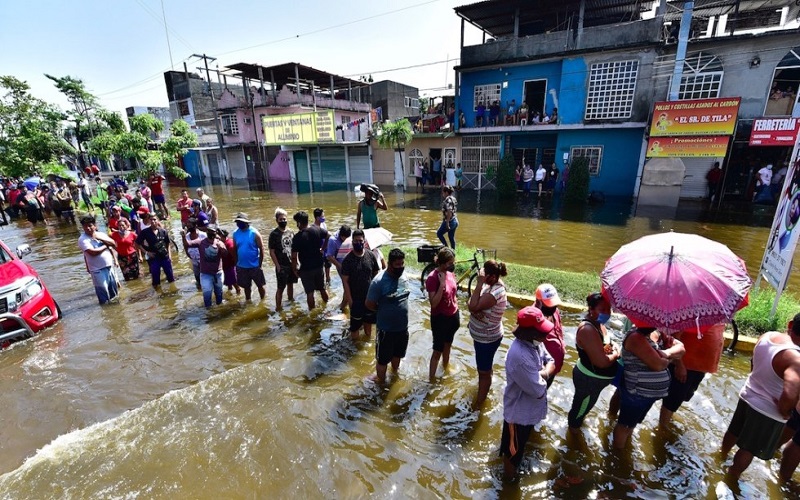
(773, 131)
(325, 127)
(687, 147)
(289, 129)
(695, 117)
(777, 262)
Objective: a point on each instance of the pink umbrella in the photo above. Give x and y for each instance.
(373, 238)
(676, 282)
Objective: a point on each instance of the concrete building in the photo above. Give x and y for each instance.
(395, 99)
(600, 67)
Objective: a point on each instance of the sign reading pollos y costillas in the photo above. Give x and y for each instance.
(774, 131)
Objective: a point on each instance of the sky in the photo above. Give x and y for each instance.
(119, 47)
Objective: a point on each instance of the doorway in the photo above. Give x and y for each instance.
(535, 95)
(213, 165)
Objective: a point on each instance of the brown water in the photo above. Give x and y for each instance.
(158, 398)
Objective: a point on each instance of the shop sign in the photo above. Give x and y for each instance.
(299, 128)
(695, 117)
(687, 147)
(780, 131)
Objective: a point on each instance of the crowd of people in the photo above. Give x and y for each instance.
(646, 367)
(546, 179)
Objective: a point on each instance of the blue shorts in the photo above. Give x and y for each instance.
(159, 199)
(633, 408)
(484, 354)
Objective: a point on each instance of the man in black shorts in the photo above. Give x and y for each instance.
(358, 269)
(307, 251)
(280, 251)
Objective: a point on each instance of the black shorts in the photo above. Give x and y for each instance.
(680, 392)
(285, 276)
(312, 279)
(444, 329)
(359, 314)
(512, 444)
(247, 275)
(755, 432)
(390, 345)
(794, 424)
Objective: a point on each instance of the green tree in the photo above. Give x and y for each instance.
(397, 135)
(31, 133)
(83, 103)
(506, 185)
(577, 190)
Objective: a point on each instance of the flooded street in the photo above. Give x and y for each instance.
(156, 397)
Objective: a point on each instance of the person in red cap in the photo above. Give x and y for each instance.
(547, 300)
(528, 366)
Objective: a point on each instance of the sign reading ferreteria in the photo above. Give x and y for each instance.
(695, 117)
(774, 131)
(299, 128)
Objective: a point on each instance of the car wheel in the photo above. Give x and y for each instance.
(58, 310)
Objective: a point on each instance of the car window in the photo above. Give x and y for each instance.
(5, 256)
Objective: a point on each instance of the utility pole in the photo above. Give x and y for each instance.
(223, 158)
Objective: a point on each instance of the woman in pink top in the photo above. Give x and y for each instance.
(547, 300)
(445, 319)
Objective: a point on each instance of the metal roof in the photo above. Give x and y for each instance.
(285, 74)
(496, 17)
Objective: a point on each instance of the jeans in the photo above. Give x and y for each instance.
(451, 233)
(156, 264)
(105, 284)
(211, 282)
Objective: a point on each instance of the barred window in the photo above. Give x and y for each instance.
(230, 125)
(593, 153)
(413, 157)
(480, 151)
(702, 77)
(612, 86)
(485, 94)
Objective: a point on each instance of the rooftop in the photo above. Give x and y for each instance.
(284, 74)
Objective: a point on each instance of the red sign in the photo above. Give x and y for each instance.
(695, 117)
(778, 131)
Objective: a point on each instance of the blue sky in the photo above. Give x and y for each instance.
(119, 47)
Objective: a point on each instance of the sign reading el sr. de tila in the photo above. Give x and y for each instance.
(774, 131)
(695, 117)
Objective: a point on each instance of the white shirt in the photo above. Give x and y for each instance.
(540, 173)
(765, 176)
(95, 262)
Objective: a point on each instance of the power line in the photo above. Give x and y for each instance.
(159, 20)
(404, 67)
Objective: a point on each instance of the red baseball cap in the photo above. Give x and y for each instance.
(143, 210)
(531, 324)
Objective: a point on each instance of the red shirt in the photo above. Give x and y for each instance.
(184, 207)
(227, 257)
(126, 245)
(95, 170)
(113, 223)
(155, 186)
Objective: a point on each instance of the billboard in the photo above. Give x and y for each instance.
(774, 131)
(687, 147)
(695, 117)
(299, 128)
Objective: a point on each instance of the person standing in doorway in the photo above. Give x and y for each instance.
(388, 297)
(713, 178)
(248, 247)
(280, 251)
(357, 270)
(307, 252)
(436, 167)
(541, 173)
(449, 219)
(527, 179)
(368, 209)
(99, 259)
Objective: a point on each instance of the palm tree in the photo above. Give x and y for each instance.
(396, 135)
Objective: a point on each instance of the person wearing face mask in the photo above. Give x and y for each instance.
(280, 251)
(368, 208)
(703, 351)
(547, 300)
(388, 297)
(528, 366)
(597, 360)
(486, 306)
(445, 319)
(307, 260)
(357, 270)
(248, 247)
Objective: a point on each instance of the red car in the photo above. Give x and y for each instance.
(26, 306)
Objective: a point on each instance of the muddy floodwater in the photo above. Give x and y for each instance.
(156, 397)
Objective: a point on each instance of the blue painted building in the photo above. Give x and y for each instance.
(589, 72)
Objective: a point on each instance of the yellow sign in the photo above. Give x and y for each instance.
(300, 128)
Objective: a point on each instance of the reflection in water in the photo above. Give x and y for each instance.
(157, 397)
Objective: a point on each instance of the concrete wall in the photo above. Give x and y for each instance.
(391, 96)
(382, 165)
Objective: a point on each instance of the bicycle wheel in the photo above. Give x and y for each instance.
(425, 272)
(472, 281)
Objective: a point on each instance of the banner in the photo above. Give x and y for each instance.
(695, 117)
(687, 147)
(777, 262)
(299, 128)
(774, 131)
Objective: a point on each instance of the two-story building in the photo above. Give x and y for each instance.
(588, 72)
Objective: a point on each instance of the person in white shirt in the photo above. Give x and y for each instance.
(541, 173)
(99, 258)
(764, 179)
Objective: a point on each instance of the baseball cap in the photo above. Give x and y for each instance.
(531, 324)
(547, 294)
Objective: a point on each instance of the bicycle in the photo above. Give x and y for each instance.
(471, 271)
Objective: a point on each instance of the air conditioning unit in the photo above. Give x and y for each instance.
(248, 120)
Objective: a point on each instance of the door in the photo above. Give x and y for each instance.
(694, 178)
(399, 178)
(301, 172)
(213, 165)
(535, 95)
(449, 158)
(358, 156)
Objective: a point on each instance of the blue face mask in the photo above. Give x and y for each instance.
(603, 318)
(321, 220)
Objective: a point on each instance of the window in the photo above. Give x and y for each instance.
(480, 151)
(486, 94)
(345, 119)
(702, 77)
(612, 86)
(414, 157)
(230, 126)
(412, 102)
(593, 153)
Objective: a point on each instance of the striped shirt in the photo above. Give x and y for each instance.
(490, 328)
(639, 378)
